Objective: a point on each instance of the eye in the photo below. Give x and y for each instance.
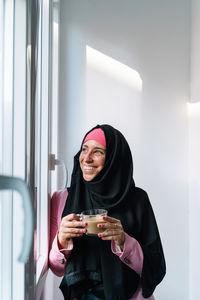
(84, 149)
(99, 152)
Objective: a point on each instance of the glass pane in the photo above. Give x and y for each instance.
(6, 125)
(12, 142)
(6, 249)
(19, 111)
(17, 239)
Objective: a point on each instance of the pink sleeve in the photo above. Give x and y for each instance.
(132, 254)
(57, 257)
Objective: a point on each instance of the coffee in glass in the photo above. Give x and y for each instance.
(93, 217)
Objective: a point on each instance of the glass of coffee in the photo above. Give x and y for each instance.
(93, 217)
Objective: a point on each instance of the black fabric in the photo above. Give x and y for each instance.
(92, 263)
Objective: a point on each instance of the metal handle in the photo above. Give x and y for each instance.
(14, 183)
(59, 162)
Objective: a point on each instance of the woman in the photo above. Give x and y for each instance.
(124, 262)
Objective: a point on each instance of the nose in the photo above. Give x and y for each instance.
(88, 157)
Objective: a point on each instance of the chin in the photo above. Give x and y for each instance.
(88, 178)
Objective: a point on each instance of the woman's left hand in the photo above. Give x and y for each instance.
(113, 231)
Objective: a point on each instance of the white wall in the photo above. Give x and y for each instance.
(151, 37)
(194, 150)
(194, 195)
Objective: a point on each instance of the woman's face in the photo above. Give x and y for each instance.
(92, 159)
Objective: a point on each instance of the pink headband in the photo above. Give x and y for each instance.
(97, 135)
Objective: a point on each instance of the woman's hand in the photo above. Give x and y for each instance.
(69, 229)
(113, 231)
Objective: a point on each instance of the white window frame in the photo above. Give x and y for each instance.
(42, 142)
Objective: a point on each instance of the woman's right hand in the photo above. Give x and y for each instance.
(68, 229)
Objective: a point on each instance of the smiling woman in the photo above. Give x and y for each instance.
(125, 260)
(92, 159)
(93, 153)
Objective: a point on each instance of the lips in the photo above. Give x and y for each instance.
(88, 169)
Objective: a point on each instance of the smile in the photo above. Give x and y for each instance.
(88, 168)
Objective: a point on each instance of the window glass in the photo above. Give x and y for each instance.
(12, 142)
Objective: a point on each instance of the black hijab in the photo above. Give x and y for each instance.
(92, 265)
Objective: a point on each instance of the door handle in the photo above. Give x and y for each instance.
(19, 185)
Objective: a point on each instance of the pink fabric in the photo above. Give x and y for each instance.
(56, 256)
(97, 135)
(131, 249)
(132, 254)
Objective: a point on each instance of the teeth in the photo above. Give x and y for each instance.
(88, 168)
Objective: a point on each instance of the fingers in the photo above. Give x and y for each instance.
(72, 224)
(72, 220)
(71, 227)
(110, 219)
(68, 230)
(111, 225)
(117, 236)
(113, 230)
(113, 233)
(71, 217)
(66, 236)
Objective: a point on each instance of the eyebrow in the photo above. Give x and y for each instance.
(94, 147)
